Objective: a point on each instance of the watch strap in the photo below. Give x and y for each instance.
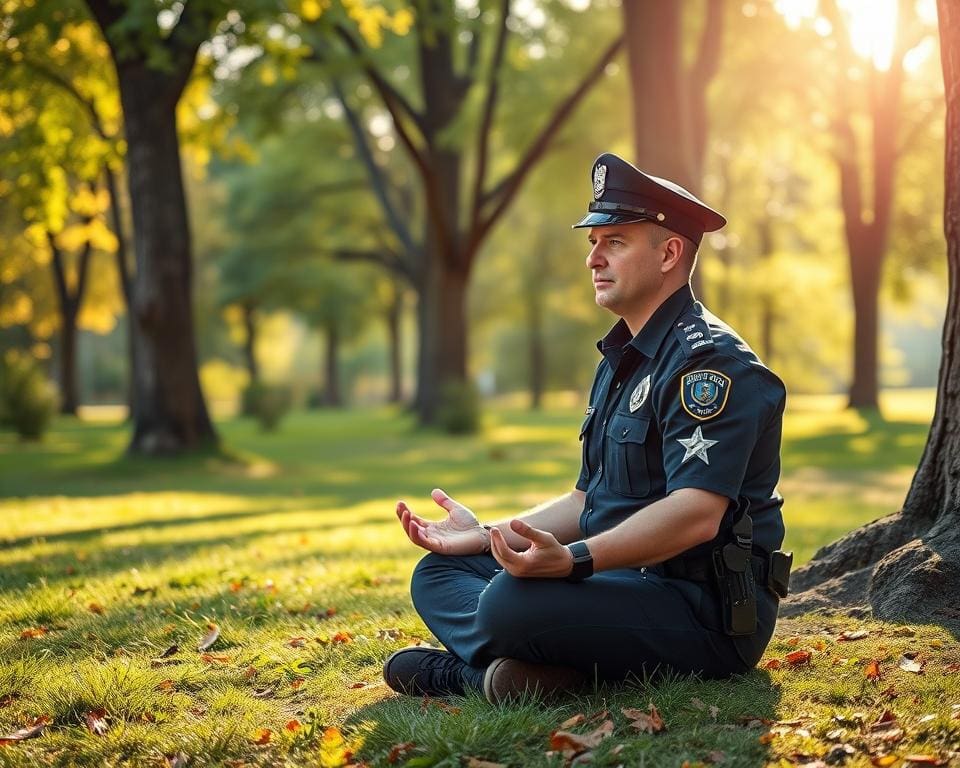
(582, 561)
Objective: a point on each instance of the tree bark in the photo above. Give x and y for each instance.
(670, 121)
(907, 566)
(332, 397)
(69, 301)
(250, 341)
(393, 317)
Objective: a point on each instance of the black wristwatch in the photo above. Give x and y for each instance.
(582, 561)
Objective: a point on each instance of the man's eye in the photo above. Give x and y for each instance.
(616, 242)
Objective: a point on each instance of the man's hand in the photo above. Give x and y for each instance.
(460, 533)
(545, 557)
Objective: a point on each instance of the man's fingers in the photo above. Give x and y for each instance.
(533, 534)
(441, 498)
(501, 551)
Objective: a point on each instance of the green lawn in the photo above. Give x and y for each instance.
(291, 548)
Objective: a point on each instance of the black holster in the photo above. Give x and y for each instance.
(733, 575)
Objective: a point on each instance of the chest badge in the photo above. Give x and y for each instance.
(639, 395)
(696, 445)
(703, 393)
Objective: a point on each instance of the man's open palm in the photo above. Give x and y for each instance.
(460, 533)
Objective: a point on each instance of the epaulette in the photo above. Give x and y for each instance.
(694, 335)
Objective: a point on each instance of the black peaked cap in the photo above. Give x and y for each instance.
(623, 194)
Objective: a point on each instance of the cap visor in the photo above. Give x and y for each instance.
(605, 219)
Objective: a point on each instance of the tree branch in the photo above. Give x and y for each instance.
(708, 51)
(388, 93)
(486, 120)
(388, 259)
(65, 85)
(377, 179)
(510, 185)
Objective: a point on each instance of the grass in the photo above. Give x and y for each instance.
(289, 545)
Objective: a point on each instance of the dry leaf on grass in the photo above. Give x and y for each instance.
(210, 638)
(34, 632)
(572, 721)
(797, 658)
(476, 762)
(261, 736)
(292, 726)
(924, 760)
(857, 634)
(211, 658)
(169, 652)
(773, 664)
(399, 750)
(30, 732)
(645, 722)
(342, 637)
(96, 608)
(908, 663)
(97, 722)
(574, 743)
(297, 642)
(881, 761)
(872, 670)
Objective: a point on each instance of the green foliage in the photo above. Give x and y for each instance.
(28, 400)
(267, 403)
(459, 410)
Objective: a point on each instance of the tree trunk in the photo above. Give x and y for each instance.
(250, 341)
(331, 367)
(865, 273)
(126, 284)
(394, 315)
(69, 304)
(907, 566)
(670, 121)
(171, 415)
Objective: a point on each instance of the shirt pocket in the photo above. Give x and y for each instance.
(626, 459)
(585, 438)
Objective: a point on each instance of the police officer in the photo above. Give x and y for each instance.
(665, 555)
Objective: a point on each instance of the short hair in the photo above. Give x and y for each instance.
(689, 255)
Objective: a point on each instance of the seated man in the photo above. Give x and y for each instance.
(664, 556)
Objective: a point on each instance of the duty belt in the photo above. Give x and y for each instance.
(771, 570)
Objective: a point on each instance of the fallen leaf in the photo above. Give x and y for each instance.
(33, 633)
(389, 634)
(715, 756)
(952, 668)
(573, 743)
(297, 642)
(793, 640)
(476, 762)
(872, 670)
(261, 736)
(766, 738)
(264, 693)
(925, 759)
(399, 750)
(210, 638)
(645, 722)
(297, 682)
(249, 673)
(342, 637)
(210, 658)
(96, 608)
(714, 711)
(292, 726)
(30, 732)
(908, 664)
(141, 591)
(8, 698)
(772, 664)
(572, 721)
(839, 753)
(848, 635)
(165, 685)
(886, 720)
(796, 658)
(169, 652)
(97, 722)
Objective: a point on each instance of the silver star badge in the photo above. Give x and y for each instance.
(696, 445)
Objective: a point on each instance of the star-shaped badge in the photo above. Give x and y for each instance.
(696, 445)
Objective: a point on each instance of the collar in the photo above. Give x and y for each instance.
(648, 340)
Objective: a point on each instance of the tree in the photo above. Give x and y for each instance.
(446, 127)
(670, 121)
(907, 565)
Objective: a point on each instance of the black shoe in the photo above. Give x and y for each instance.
(430, 672)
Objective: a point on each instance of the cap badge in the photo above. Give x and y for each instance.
(599, 181)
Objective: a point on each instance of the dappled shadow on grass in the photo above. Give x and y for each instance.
(702, 717)
(880, 445)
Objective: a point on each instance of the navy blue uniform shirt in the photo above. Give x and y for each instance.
(683, 404)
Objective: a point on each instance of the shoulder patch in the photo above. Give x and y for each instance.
(694, 335)
(704, 393)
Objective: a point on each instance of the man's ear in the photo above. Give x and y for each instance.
(672, 254)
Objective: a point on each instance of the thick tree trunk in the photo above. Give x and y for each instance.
(865, 273)
(171, 415)
(670, 121)
(126, 283)
(907, 566)
(332, 397)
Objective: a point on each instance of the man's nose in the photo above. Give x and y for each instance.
(595, 257)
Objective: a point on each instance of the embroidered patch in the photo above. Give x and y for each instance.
(704, 393)
(639, 395)
(696, 445)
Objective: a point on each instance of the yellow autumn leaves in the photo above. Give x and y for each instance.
(371, 19)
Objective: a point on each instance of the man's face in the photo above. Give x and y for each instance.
(626, 268)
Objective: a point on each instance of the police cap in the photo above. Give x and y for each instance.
(623, 194)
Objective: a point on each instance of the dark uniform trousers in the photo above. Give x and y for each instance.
(614, 625)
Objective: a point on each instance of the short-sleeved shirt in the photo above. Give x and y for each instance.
(683, 404)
